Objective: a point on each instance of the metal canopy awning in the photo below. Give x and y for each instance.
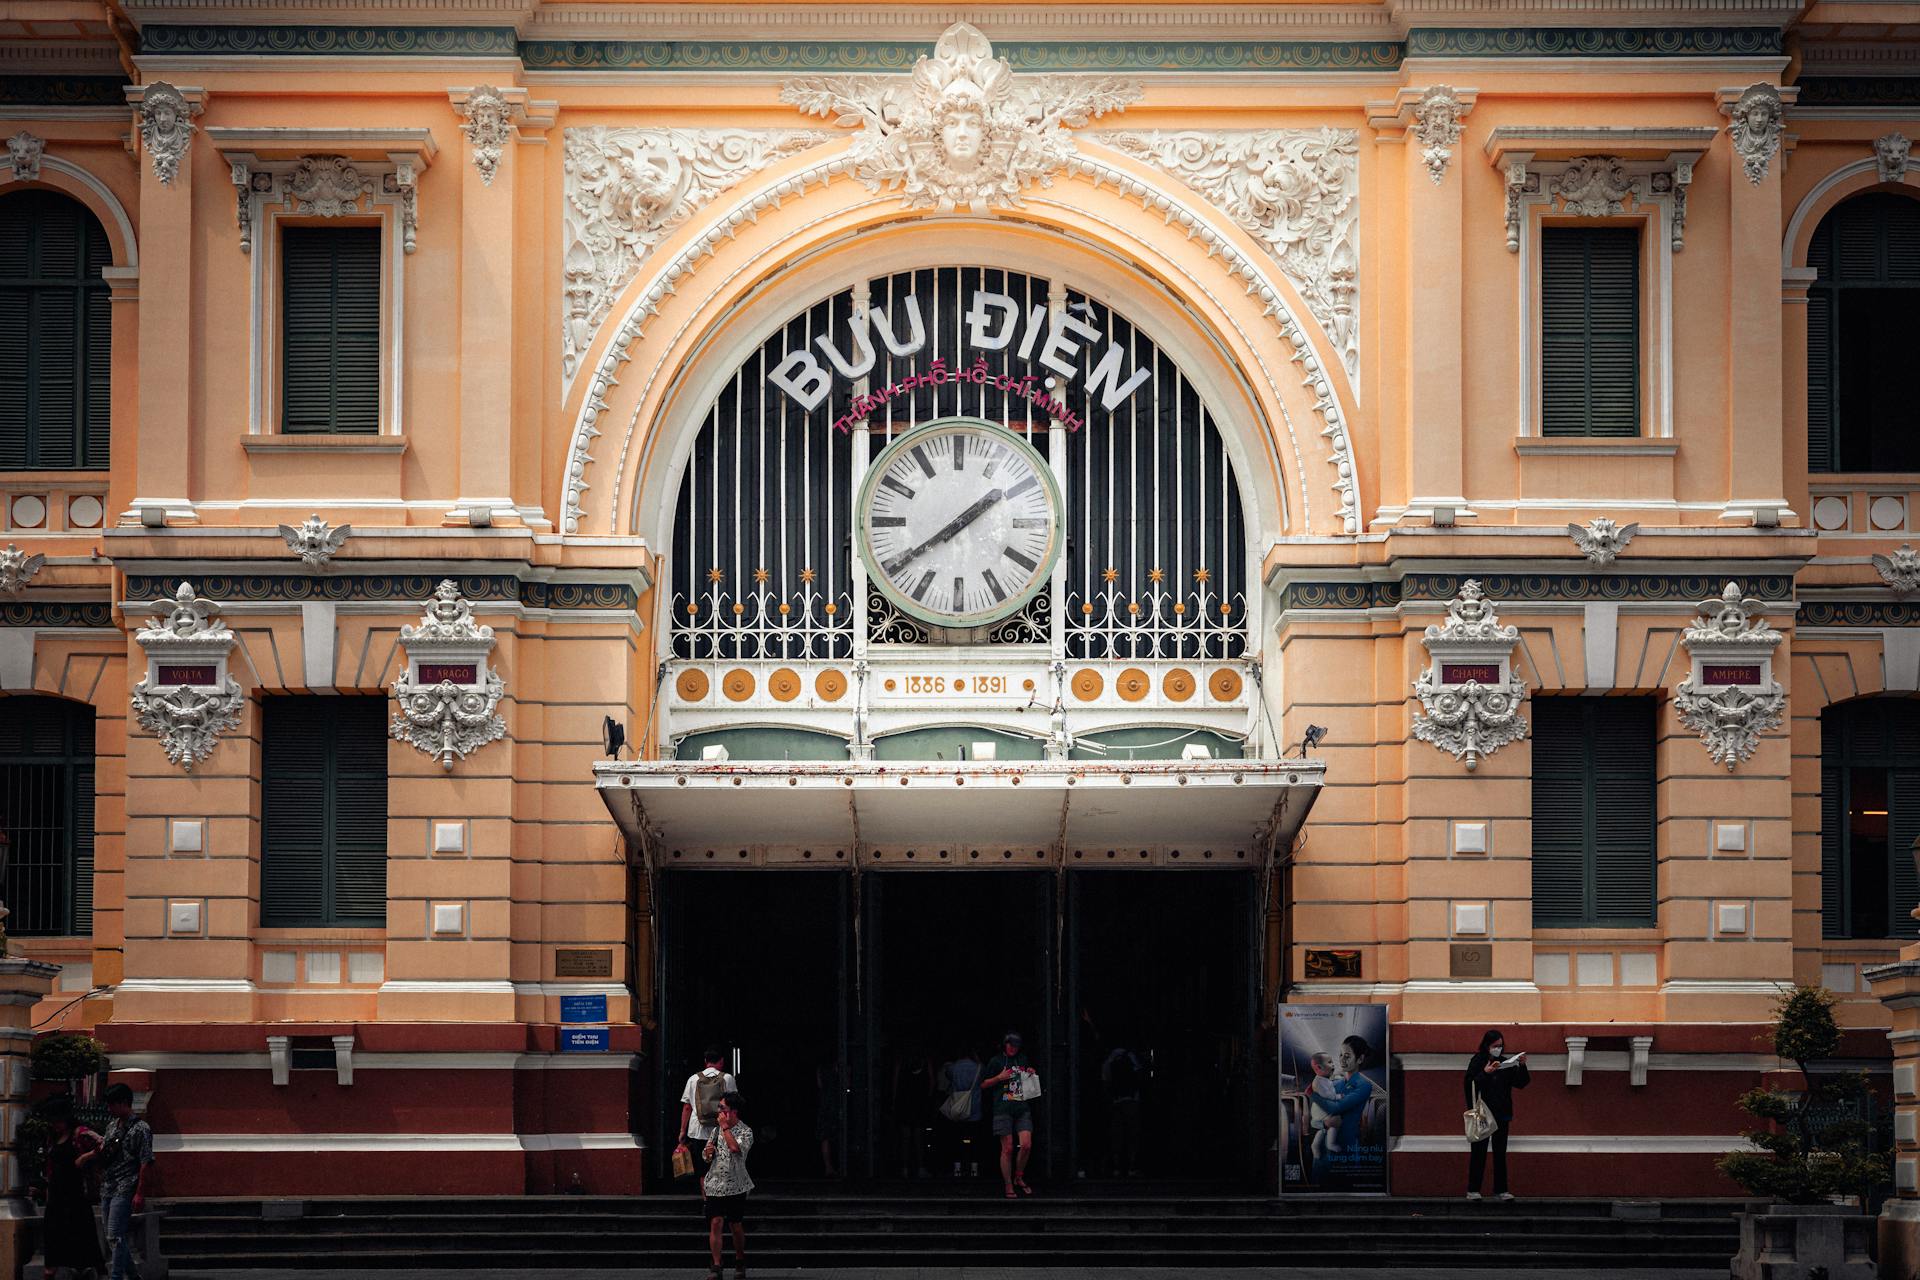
(840, 806)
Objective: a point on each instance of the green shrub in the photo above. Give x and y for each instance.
(68, 1055)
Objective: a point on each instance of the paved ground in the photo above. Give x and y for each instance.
(974, 1273)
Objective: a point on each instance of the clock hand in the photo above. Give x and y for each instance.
(952, 528)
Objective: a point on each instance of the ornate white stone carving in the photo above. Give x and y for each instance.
(327, 186)
(17, 569)
(1593, 187)
(1890, 154)
(444, 718)
(324, 186)
(1754, 121)
(1166, 202)
(166, 128)
(1470, 718)
(1600, 539)
(314, 540)
(1437, 128)
(1733, 639)
(402, 182)
(1901, 570)
(25, 151)
(1295, 190)
(963, 131)
(188, 718)
(628, 189)
(487, 121)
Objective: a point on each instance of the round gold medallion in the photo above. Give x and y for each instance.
(692, 685)
(1224, 684)
(1087, 684)
(784, 684)
(1133, 684)
(830, 685)
(1179, 685)
(737, 684)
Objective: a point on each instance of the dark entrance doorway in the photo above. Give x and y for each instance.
(956, 959)
(753, 960)
(1162, 968)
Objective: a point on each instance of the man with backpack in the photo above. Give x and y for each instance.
(1123, 1075)
(700, 1103)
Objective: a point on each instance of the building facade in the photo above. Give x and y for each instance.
(1391, 503)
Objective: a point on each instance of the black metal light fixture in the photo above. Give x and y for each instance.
(1315, 734)
(613, 736)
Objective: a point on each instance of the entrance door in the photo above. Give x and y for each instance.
(753, 961)
(956, 960)
(1163, 967)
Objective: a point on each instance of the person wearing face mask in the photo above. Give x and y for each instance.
(1493, 1076)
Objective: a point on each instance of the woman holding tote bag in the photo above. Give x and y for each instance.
(1489, 1084)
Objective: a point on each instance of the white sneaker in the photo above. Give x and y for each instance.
(1504, 1195)
(1473, 1195)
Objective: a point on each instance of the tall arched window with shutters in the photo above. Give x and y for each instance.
(1869, 817)
(1860, 311)
(56, 334)
(46, 812)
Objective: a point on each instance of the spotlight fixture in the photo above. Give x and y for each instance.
(1316, 733)
(613, 736)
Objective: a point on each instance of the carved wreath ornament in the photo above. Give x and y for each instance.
(962, 132)
(1469, 718)
(440, 717)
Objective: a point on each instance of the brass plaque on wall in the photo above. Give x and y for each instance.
(1470, 960)
(1332, 964)
(583, 962)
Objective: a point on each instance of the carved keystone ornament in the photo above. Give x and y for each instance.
(17, 569)
(314, 540)
(187, 699)
(447, 694)
(1730, 698)
(1471, 696)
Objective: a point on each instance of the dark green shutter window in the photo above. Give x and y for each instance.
(56, 335)
(323, 811)
(46, 811)
(1590, 331)
(1869, 818)
(1593, 811)
(330, 331)
(1860, 309)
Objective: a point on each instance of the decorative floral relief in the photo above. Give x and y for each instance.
(1600, 539)
(628, 189)
(17, 569)
(962, 131)
(1890, 155)
(1593, 187)
(1471, 719)
(1755, 122)
(188, 718)
(25, 151)
(1295, 190)
(1730, 717)
(166, 128)
(327, 186)
(1437, 128)
(487, 121)
(315, 541)
(1598, 187)
(1901, 570)
(445, 719)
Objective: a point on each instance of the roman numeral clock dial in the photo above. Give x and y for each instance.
(959, 523)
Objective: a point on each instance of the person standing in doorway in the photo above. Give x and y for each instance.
(1493, 1076)
(1012, 1113)
(69, 1240)
(125, 1157)
(1123, 1074)
(726, 1184)
(960, 1109)
(700, 1108)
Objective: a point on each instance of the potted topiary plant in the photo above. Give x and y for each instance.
(1815, 1150)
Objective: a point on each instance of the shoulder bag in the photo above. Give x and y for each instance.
(1479, 1121)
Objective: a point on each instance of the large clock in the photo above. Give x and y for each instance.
(959, 522)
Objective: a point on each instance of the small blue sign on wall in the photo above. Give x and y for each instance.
(583, 1008)
(585, 1039)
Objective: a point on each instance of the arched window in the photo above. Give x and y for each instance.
(55, 334)
(46, 811)
(1869, 816)
(1859, 331)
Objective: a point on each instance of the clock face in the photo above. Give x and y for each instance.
(959, 523)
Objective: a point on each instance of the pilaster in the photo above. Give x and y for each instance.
(487, 333)
(1756, 460)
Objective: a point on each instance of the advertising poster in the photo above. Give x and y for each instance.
(1333, 1097)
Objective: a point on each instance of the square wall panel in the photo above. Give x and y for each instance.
(1552, 969)
(1730, 837)
(1639, 969)
(449, 919)
(1470, 837)
(366, 967)
(183, 918)
(1594, 968)
(449, 837)
(1837, 977)
(1729, 918)
(323, 968)
(187, 835)
(279, 968)
(1470, 919)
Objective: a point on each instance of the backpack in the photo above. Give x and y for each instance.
(707, 1093)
